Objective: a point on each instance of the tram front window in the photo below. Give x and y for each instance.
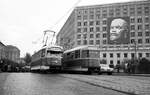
(54, 53)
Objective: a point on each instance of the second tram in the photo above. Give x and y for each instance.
(83, 58)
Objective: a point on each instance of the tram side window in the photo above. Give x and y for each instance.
(43, 53)
(70, 55)
(93, 54)
(77, 54)
(85, 53)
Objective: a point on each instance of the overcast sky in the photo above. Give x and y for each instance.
(22, 22)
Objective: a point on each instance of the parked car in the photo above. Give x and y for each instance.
(105, 68)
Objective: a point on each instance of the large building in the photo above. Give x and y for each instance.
(120, 30)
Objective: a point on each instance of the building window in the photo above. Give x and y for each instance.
(91, 29)
(147, 20)
(85, 42)
(79, 17)
(139, 27)
(91, 23)
(79, 23)
(85, 17)
(147, 26)
(139, 10)
(98, 42)
(118, 55)
(91, 42)
(132, 20)
(91, 16)
(79, 36)
(91, 36)
(146, 10)
(111, 55)
(147, 40)
(84, 36)
(139, 34)
(97, 22)
(140, 41)
(97, 16)
(139, 20)
(140, 55)
(97, 29)
(104, 35)
(111, 62)
(104, 28)
(132, 55)
(104, 41)
(147, 54)
(98, 35)
(85, 23)
(79, 30)
(104, 22)
(132, 34)
(147, 33)
(125, 55)
(132, 27)
(104, 15)
(104, 55)
(132, 41)
(84, 29)
(118, 61)
(79, 42)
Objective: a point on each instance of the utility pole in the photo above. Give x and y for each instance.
(135, 49)
(45, 32)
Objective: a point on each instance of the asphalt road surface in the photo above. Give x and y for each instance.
(49, 84)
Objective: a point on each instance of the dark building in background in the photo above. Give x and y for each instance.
(9, 52)
(92, 25)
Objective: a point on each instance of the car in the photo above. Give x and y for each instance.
(105, 68)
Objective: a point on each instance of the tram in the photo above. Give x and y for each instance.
(82, 58)
(47, 58)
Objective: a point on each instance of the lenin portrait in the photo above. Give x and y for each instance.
(118, 30)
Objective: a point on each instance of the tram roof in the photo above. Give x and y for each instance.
(51, 46)
(87, 47)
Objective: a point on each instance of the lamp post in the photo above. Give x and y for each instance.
(135, 49)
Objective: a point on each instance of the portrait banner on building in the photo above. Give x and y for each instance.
(118, 30)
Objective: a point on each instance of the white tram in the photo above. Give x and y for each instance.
(47, 58)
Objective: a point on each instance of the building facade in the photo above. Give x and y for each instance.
(120, 30)
(9, 52)
(2, 50)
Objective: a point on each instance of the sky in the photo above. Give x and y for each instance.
(23, 22)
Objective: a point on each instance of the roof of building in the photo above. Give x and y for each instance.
(115, 4)
(12, 47)
(1, 44)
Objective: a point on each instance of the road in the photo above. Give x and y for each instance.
(68, 84)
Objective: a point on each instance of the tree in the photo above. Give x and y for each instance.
(27, 59)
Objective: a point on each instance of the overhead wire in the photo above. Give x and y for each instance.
(35, 42)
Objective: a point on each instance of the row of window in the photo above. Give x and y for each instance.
(125, 55)
(104, 35)
(97, 42)
(104, 22)
(118, 11)
(123, 8)
(104, 28)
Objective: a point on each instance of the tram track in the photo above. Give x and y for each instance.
(98, 85)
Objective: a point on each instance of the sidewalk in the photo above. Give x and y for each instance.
(128, 74)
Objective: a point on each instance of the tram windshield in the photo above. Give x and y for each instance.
(54, 53)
